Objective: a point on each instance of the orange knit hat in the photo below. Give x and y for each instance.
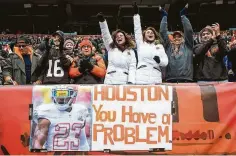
(85, 42)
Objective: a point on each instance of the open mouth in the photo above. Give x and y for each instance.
(119, 40)
(151, 37)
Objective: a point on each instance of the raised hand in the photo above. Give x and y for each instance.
(216, 28)
(47, 44)
(38, 82)
(163, 12)
(61, 46)
(184, 10)
(135, 7)
(100, 17)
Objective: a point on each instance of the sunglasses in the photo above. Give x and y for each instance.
(21, 46)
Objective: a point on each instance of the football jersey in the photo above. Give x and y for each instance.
(65, 129)
(55, 73)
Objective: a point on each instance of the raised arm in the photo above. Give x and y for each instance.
(223, 50)
(106, 35)
(43, 61)
(137, 25)
(188, 30)
(132, 68)
(164, 27)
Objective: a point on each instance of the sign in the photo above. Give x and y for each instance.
(204, 121)
(132, 118)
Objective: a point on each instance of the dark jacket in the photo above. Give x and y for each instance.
(95, 76)
(5, 68)
(232, 58)
(180, 66)
(209, 58)
(54, 66)
(18, 72)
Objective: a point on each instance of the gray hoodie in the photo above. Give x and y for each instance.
(180, 65)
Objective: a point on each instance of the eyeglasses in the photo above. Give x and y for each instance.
(86, 47)
(21, 46)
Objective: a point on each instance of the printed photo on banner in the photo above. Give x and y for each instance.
(61, 118)
(132, 118)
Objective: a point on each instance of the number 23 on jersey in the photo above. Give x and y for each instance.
(67, 136)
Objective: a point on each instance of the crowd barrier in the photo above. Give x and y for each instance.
(204, 121)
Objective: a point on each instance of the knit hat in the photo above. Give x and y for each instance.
(85, 42)
(23, 38)
(207, 28)
(59, 33)
(69, 40)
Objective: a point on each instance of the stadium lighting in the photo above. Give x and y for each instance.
(231, 2)
(219, 2)
(26, 6)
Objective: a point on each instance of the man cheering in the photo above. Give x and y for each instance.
(179, 50)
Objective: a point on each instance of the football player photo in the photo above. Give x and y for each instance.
(62, 123)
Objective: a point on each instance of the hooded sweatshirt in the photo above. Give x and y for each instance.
(209, 57)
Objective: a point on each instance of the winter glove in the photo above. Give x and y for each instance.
(81, 66)
(88, 65)
(163, 12)
(184, 10)
(81, 69)
(157, 59)
(135, 7)
(100, 17)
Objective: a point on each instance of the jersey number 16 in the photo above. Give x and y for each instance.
(54, 70)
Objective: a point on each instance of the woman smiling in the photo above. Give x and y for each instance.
(121, 57)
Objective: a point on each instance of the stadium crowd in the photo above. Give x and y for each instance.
(148, 57)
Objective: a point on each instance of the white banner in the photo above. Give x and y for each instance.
(131, 117)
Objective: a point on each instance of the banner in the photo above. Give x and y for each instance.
(204, 121)
(132, 118)
(124, 118)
